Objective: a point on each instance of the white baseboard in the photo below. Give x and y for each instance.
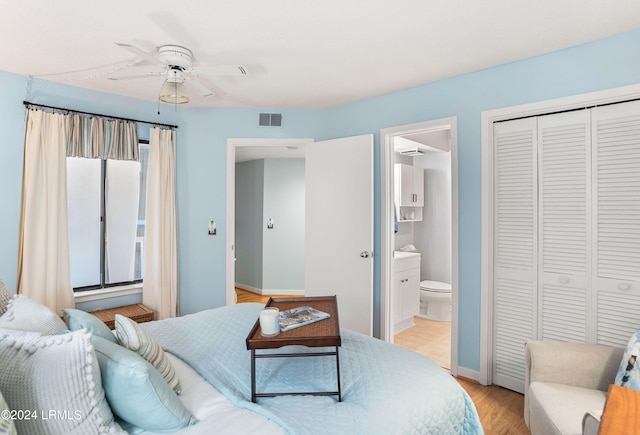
(249, 288)
(469, 374)
(282, 292)
(266, 292)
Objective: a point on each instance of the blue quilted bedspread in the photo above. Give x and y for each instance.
(385, 389)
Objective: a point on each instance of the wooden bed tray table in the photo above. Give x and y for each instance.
(323, 333)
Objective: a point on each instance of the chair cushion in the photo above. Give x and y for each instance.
(557, 409)
(629, 372)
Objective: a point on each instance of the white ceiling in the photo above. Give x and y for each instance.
(298, 53)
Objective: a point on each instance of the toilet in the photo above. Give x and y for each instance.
(435, 300)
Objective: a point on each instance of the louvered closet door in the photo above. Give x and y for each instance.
(616, 228)
(564, 180)
(515, 249)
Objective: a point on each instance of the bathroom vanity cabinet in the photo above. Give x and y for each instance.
(409, 192)
(406, 289)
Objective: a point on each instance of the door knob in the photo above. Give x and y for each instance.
(623, 286)
(365, 254)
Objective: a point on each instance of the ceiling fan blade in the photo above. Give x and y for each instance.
(201, 85)
(224, 70)
(174, 28)
(141, 53)
(138, 76)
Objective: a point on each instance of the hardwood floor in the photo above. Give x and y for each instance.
(500, 410)
(247, 296)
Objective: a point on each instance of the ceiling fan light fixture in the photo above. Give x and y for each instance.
(174, 92)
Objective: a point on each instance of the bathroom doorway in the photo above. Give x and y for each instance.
(429, 230)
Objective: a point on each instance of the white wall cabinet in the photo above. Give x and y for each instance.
(566, 232)
(406, 287)
(409, 191)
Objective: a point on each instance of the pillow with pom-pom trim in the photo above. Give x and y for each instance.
(58, 379)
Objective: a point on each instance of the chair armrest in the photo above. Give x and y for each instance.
(578, 364)
(591, 423)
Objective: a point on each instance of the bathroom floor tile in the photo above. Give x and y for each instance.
(429, 338)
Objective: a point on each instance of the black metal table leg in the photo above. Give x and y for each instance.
(338, 373)
(253, 375)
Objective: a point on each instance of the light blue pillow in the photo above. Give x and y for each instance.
(629, 372)
(78, 319)
(136, 391)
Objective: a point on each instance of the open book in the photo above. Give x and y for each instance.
(297, 317)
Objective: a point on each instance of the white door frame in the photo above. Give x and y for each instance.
(232, 143)
(386, 221)
(608, 96)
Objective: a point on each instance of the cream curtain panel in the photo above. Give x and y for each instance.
(43, 252)
(160, 288)
(43, 256)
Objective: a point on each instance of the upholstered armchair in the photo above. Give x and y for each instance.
(566, 386)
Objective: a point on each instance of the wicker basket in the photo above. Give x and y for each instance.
(137, 312)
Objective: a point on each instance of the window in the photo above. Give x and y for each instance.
(106, 213)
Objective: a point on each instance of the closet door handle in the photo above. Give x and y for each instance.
(563, 280)
(623, 286)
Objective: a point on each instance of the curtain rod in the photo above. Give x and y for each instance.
(26, 103)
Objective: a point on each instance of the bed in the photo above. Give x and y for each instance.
(385, 389)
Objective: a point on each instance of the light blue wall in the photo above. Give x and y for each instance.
(203, 133)
(603, 64)
(202, 183)
(249, 228)
(284, 193)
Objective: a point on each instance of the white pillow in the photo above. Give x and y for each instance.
(5, 297)
(133, 337)
(28, 315)
(56, 379)
(7, 427)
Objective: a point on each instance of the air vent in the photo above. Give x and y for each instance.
(270, 120)
(411, 152)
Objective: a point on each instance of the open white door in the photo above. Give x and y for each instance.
(339, 227)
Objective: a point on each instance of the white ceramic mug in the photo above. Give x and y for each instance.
(270, 321)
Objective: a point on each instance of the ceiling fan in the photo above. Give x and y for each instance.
(177, 64)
